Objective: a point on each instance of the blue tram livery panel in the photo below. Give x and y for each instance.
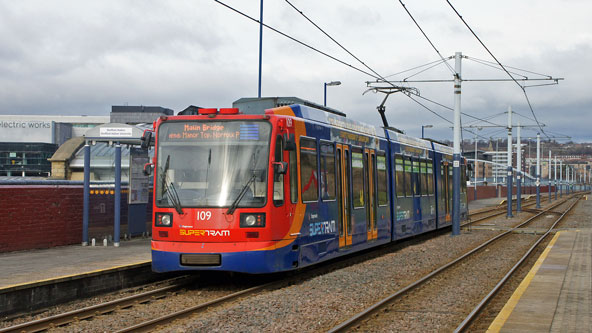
(320, 186)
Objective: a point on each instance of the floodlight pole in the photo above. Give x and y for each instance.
(456, 147)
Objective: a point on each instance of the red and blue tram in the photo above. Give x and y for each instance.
(288, 188)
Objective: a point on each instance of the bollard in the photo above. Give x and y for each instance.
(104, 241)
(93, 242)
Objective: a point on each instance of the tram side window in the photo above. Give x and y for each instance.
(327, 171)
(358, 178)
(278, 180)
(381, 179)
(308, 170)
(424, 178)
(293, 177)
(416, 178)
(399, 177)
(430, 174)
(408, 176)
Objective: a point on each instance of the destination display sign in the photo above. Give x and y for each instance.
(214, 131)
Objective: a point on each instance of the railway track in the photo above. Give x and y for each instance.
(484, 214)
(477, 309)
(126, 302)
(96, 310)
(363, 319)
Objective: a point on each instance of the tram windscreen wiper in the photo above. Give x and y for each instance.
(232, 207)
(169, 188)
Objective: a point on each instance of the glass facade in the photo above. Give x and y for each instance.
(26, 159)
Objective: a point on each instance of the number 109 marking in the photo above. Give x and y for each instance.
(204, 215)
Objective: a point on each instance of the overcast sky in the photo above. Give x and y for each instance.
(82, 57)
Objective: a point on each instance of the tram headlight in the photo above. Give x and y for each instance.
(250, 220)
(163, 220)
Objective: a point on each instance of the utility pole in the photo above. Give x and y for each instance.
(456, 151)
(509, 168)
(260, 47)
(519, 168)
(538, 172)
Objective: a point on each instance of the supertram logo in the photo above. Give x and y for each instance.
(198, 232)
(322, 228)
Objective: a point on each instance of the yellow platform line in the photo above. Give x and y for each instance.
(73, 276)
(504, 314)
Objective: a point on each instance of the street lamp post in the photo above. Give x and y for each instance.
(425, 126)
(332, 83)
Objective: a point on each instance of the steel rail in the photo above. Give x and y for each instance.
(502, 210)
(375, 307)
(88, 312)
(473, 314)
(149, 325)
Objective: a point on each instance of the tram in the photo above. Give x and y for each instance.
(289, 187)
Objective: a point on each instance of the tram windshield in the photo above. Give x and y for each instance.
(210, 163)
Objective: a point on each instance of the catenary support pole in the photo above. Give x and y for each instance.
(86, 195)
(509, 165)
(561, 179)
(476, 171)
(549, 177)
(519, 168)
(456, 147)
(538, 172)
(556, 189)
(117, 218)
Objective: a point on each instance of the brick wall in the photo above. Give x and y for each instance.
(484, 192)
(43, 216)
(39, 216)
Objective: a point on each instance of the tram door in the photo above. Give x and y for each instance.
(446, 193)
(371, 209)
(343, 185)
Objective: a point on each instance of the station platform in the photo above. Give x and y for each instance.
(556, 295)
(36, 266)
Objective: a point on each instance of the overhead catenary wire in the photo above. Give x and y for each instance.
(516, 68)
(342, 47)
(439, 116)
(297, 41)
(499, 63)
(439, 61)
(427, 38)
